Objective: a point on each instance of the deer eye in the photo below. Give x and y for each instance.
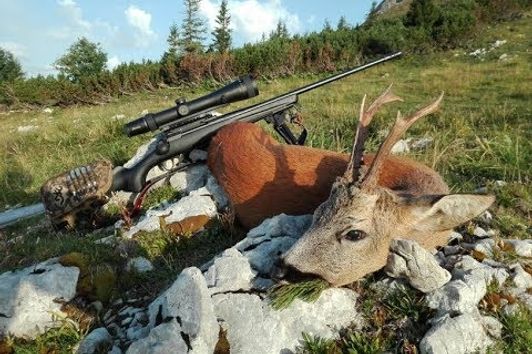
(355, 235)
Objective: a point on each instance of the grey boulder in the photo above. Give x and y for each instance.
(30, 298)
(188, 301)
(467, 333)
(418, 266)
(95, 342)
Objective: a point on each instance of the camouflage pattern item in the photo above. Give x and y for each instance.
(74, 196)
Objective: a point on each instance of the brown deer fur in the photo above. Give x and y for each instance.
(264, 178)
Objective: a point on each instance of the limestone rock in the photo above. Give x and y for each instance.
(95, 342)
(198, 155)
(28, 297)
(480, 232)
(455, 335)
(253, 326)
(190, 179)
(457, 296)
(164, 339)
(469, 268)
(188, 300)
(520, 277)
(230, 272)
(417, 265)
(522, 248)
(400, 147)
(213, 189)
(139, 265)
(187, 206)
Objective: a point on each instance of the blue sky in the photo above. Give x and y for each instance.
(37, 32)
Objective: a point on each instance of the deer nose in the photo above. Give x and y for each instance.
(279, 269)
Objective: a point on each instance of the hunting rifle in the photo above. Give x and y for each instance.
(182, 128)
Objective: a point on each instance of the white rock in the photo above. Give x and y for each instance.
(118, 117)
(522, 248)
(188, 300)
(462, 334)
(480, 232)
(503, 57)
(253, 326)
(27, 128)
(400, 147)
(136, 333)
(108, 240)
(192, 205)
(262, 257)
(28, 297)
(469, 268)
(139, 265)
(190, 179)
(451, 250)
(198, 155)
(163, 339)
(526, 299)
(457, 296)
(484, 246)
(520, 277)
(387, 286)
(48, 110)
(281, 225)
(230, 272)
(421, 144)
(498, 43)
(95, 342)
(486, 217)
(455, 236)
(412, 262)
(213, 189)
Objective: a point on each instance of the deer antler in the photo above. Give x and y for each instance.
(399, 128)
(352, 173)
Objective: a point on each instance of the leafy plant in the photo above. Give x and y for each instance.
(282, 296)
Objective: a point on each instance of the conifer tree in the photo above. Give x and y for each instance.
(172, 53)
(342, 24)
(193, 28)
(222, 32)
(280, 31)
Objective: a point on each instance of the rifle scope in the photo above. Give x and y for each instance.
(244, 87)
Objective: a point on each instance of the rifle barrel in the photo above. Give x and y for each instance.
(343, 74)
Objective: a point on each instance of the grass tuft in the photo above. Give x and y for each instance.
(282, 296)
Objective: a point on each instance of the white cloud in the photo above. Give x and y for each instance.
(17, 49)
(251, 18)
(141, 21)
(74, 14)
(113, 62)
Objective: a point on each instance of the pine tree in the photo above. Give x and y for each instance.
(173, 41)
(222, 32)
(342, 24)
(193, 27)
(280, 31)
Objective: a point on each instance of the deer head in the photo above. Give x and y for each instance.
(351, 231)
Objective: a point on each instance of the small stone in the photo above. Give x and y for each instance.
(27, 128)
(469, 268)
(97, 306)
(126, 321)
(139, 265)
(48, 110)
(400, 147)
(520, 277)
(118, 302)
(230, 272)
(455, 236)
(409, 260)
(421, 144)
(510, 309)
(165, 338)
(457, 296)
(387, 286)
(136, 333)
(191, 179)
(480, 232)
(197, 155)
(486, 217)
(522, 248)
(109, 240)
(500, 183)
(97, 341)
(451, 250)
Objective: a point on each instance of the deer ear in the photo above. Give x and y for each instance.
(439, 213)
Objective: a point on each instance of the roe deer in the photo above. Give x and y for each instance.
(357, 214)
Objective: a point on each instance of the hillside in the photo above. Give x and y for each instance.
(480, 141)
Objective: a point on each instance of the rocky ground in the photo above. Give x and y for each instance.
(224, 305)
